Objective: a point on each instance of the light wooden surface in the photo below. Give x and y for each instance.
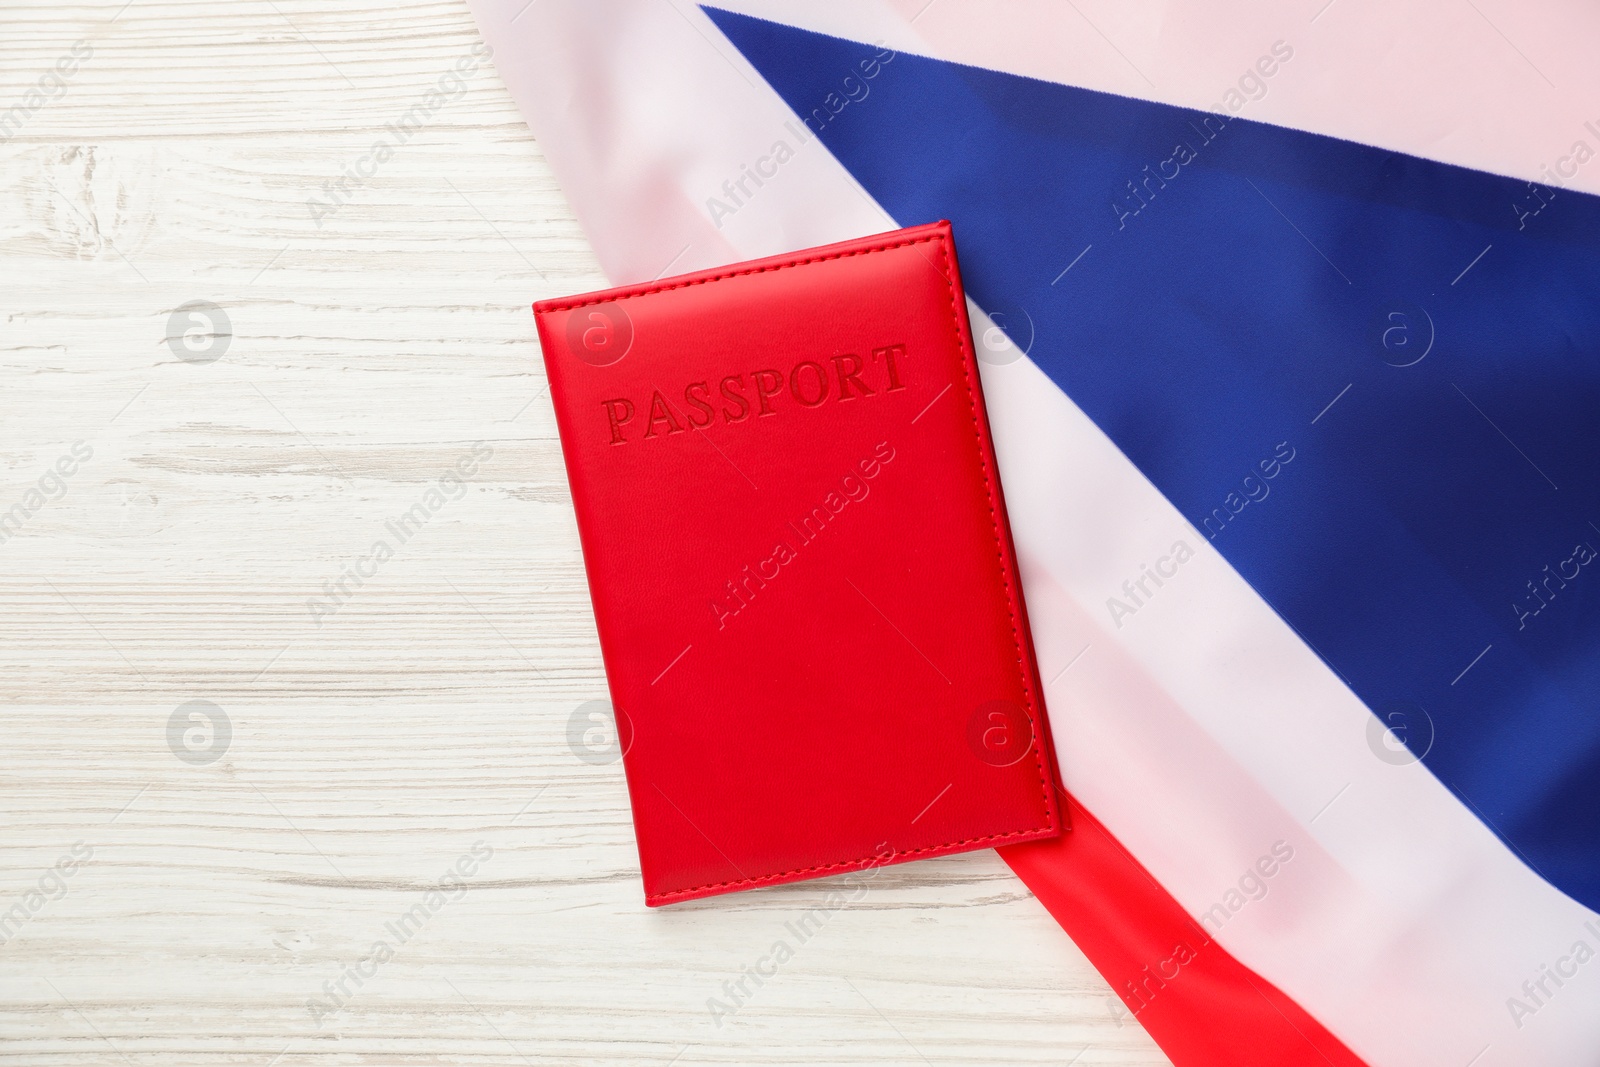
(372, 746)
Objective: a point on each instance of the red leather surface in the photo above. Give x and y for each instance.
(804, 583)
(1202, 1006)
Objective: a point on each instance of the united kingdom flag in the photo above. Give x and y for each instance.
(1290, 319)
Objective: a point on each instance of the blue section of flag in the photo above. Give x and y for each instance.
(1421, 341)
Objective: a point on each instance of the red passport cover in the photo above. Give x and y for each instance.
(802, 575)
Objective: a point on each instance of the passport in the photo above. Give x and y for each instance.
(803, 580)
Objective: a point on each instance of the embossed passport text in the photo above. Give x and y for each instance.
(802, 574)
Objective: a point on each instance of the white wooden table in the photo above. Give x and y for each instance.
(376, 736)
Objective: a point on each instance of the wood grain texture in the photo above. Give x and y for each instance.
(369, 351)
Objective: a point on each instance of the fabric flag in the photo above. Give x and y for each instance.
(1291, 330)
